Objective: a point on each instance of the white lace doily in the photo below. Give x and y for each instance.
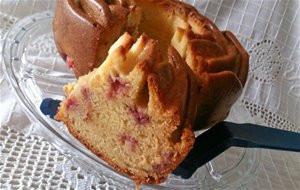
(268, 29)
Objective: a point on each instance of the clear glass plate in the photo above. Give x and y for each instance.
(36, 71)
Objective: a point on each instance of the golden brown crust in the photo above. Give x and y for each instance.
(244, 57)
(218, 93)
(82, 38)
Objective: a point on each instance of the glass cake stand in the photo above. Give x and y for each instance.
(36, 71)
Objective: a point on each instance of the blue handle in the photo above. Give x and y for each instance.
(251, 135)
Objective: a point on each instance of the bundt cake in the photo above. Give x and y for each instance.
(136, 110)
(84, 30)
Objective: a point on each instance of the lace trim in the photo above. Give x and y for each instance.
(28, 161)
(266, 61)
(269, 118)
(6, 23)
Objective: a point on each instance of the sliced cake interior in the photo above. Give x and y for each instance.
(135, 110)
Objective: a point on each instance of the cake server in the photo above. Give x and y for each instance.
(224, 135)
(219, 138)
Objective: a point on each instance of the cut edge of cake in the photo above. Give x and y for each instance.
(135, 111)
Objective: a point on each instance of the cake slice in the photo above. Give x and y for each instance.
(136, 110)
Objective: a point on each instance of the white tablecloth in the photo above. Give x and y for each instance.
(268, 29)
